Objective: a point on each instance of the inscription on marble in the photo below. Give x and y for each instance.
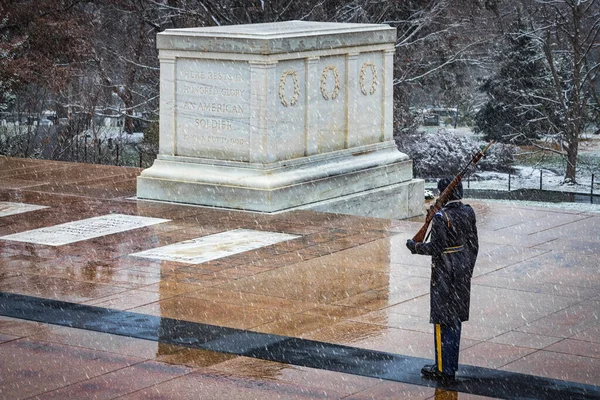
(215, 246)
(8, 208)
(213, 108)
(84, 229)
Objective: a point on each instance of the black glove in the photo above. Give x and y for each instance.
(412, 246)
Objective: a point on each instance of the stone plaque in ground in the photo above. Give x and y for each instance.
(215, 246)
(84, 229)
(9, 208)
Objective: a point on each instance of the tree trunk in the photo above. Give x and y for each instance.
(572, 151)
(130, 78)
(127, 99)
(576, 125)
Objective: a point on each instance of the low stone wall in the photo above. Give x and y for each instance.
(533, 195)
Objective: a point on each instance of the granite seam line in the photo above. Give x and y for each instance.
(30, 189)
(561, 225)
(515, 263)
(517, 223)
(491, 285)
(564, 352)
(289, 350)
(554, 313)
(108, 373)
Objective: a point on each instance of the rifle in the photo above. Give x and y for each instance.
(420, 236)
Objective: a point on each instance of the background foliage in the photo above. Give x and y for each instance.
(518, 69)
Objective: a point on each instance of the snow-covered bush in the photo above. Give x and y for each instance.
(500, 157)
(445, 154)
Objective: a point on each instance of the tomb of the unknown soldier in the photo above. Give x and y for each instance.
(277, 116)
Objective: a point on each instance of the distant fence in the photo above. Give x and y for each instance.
(549, 196)
(116, 153)
(123, 151)
(536, 194)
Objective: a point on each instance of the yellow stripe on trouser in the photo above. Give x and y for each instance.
(438, 339)
(441, 394)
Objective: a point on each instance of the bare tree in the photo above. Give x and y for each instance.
(442, 50)
(124, 55)
(568, 31)
(102, 55)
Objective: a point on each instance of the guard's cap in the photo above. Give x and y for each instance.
(456, 194)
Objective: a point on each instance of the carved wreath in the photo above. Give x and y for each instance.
(336, 77)
(282, 82)
(363, 73)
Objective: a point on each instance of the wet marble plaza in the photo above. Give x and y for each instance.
(103, 296)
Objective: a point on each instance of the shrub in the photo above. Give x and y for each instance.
(445, 154)
(500, 157)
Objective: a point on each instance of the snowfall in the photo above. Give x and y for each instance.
(527, 177)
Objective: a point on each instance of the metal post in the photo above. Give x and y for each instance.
(540, 179)
(509, 175)
(140, 159)
(468, 181)
(592, 190)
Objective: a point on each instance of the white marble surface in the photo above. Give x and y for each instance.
(84, 229)
(247, 125)
(276, 38)
(264, 112)
(215, 246)
(263, 108)
(276, 189)
(392, 202)
(212, 109)
(9, 208)
(281, 174)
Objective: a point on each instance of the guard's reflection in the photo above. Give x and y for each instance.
(441, 394)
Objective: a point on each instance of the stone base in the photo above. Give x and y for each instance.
(400, 201)
(343, 177)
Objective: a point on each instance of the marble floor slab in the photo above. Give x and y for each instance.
(212, 247)
(71, 232)
(8, 208)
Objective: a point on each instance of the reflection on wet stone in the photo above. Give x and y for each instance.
(315, 354)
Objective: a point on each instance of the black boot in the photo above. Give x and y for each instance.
(432, 372)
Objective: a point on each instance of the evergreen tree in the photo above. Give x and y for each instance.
(519, 106)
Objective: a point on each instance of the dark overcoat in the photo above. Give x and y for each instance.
(453, 249)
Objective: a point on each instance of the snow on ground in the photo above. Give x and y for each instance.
(578, 207)
(527, 177)
(115, 133)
